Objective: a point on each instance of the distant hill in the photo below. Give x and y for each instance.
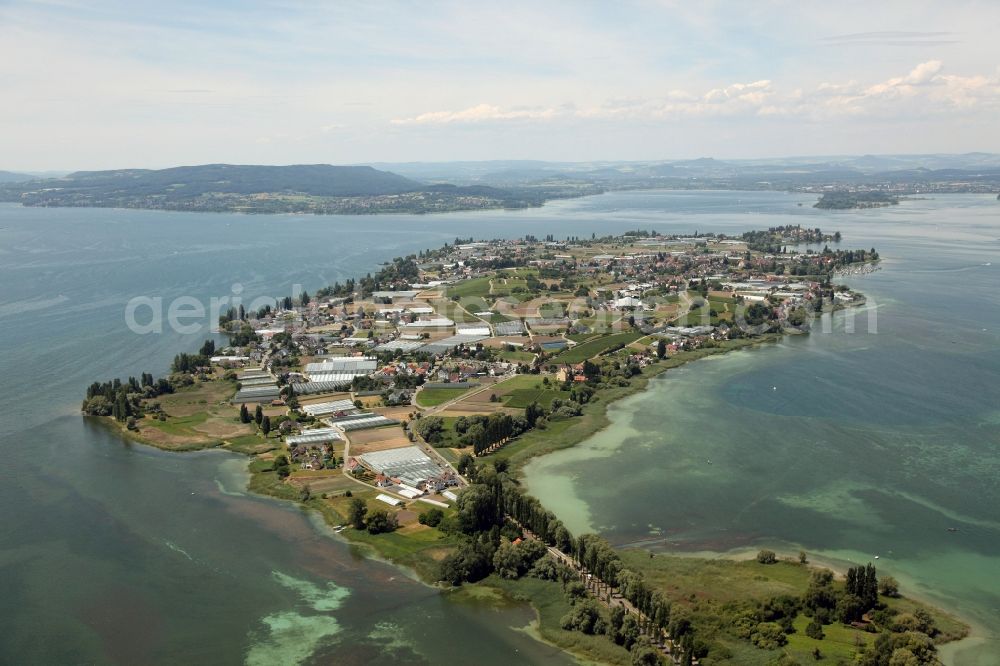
(306, 188)
(321, 180)
(12, 177)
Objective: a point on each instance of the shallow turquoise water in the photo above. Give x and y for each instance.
(849, 442)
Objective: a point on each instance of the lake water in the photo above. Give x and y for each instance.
(117, 553)
(849, 443)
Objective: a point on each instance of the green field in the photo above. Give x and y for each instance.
(592, 348)
(516, 356)
(178, 425)
(474, 288)
(437, 396)
(521, 382)
(458, 313)
(521, 398)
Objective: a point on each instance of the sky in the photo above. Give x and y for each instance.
(96, 84)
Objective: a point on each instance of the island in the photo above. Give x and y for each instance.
(402, 406)
(851, 199)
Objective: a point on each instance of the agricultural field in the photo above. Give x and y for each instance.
(521, 398)
(470, 289)
(460, 313)
(432, 397)
(516, 356)
(377, 439)
(592, 348)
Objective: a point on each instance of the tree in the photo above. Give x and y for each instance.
(507, 561)
(585, 618)
(888, 587)
(379, 521)
(431, 517)
(532, 413)
(644, 654)
(356, 511)
(466, 465)
(850, 608)
(265, 425)
(258, 414)
(97, 406)
(244, 414)
(814, 630)
(768, 636)
(280, 466)
(863, 583)
(430, 429)
(820, 598)
(470, 562)
(661, 349)
(478, 509)
(767, 557)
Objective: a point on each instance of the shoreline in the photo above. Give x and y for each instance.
(265, 482)
(975, 631)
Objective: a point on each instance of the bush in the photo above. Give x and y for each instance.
(644, 654)
(850, 608)
(768, 636)
(814, 630)
(356, 513)
(431, 429)
(888, 587)
(585, 618)
(767, 557)
(431, 517)
(379, 521)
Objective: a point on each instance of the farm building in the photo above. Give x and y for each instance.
(346, 364)
(257, 394)
(326, 408)
(317, 436)
(400, 346)
(393, 296)
(408, 464)
(437, 322)
(312, 388)
(360, 421)
(447, 344)
(391, 501)
(342, 369)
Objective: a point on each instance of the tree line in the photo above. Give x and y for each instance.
(491, 513)
(120, 399)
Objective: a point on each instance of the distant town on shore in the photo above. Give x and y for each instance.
(839, 183)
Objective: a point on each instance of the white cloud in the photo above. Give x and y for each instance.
(477, 114)
(191, 82)
(923, 90)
